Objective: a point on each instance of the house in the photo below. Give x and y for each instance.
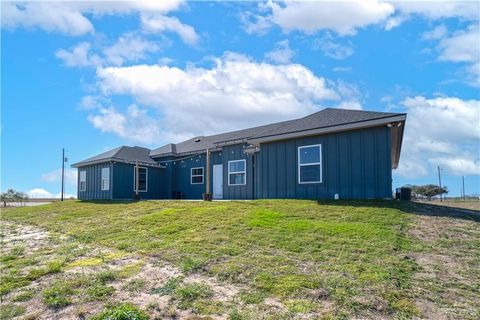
(331, 153)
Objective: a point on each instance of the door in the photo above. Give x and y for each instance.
(218, 181)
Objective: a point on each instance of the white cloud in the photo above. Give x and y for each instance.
(128, 47)
(69, 17)
(350, 104)
(135, 125)
(464, 47)
(39, 193)
(162, 23)
(56, 176)
(90, 102)
(434, 10)
(78, 56)
(331, 49)
(281, 54)
(436, 33)
(52, 17)
(346, 17)
(235, 93)
(341, 17)
(441, 131)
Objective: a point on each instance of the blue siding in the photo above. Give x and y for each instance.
(236, 152)
(177, 175)
(93, 186)
(124, 182)
(355, 164)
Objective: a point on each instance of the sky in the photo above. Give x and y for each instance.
(90, 76)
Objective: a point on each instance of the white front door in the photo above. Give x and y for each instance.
(218, 181)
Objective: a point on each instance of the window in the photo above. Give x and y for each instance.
(142, 179)
(83, 180)
(310, 164)
(196, 175)
(237, 172)
(105, 179)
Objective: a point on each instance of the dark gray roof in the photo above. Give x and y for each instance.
(120, 154)
(203, 142)
(321, 119)
(326, 118)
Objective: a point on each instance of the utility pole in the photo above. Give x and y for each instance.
(439, 182)
(463, 187)
(63, 170)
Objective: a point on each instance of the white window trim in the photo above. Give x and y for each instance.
(235, 172)
(310, 164)
(102, 185)
(146, 179)
(196, 175)
(80, 181)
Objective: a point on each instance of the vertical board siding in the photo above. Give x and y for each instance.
(123, 175)
(236, 152)
(94, 183)
(177, 175)
(355, 164)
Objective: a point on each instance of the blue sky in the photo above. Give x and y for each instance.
(90, 76)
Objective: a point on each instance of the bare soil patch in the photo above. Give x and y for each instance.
(447, 282)
(135, 279)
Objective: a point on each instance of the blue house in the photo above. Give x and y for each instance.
(332, 153)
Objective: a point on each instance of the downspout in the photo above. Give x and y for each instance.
(208, 195)
(136, 180)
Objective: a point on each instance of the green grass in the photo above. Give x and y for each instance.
(121, 312)
(190, 293)
(58, 295)
(288, 249)
(9, 311)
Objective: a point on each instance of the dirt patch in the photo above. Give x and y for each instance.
(445, 285)
(135, 279)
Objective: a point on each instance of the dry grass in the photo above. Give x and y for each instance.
(243, 260)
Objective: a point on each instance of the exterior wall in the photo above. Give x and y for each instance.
(123, 178)
(355, 164)
(236, 152)
(93, 186)
(177, 175)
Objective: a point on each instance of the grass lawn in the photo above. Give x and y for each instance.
(240, 260)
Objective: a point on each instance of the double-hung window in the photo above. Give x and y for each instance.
(237, 172)
(142, 179)
(83, 180)
(310, 164)
(105, 179)
(196, 175)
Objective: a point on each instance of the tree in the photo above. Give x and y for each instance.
(13, 196)
(429, 190)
